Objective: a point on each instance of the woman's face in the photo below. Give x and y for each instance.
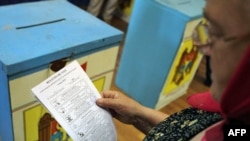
(225, 20)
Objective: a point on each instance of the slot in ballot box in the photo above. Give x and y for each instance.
(37, 39)
(159, 60)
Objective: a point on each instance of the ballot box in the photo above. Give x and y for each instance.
(159, 61)
(36, 40)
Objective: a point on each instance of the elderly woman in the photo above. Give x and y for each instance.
(228, 45)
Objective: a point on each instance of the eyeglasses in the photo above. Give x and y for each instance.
(204, 37)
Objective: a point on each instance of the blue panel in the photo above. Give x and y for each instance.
(34, 34)
(6, 133)
(153, 38)
(191, 8)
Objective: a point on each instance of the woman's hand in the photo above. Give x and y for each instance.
(121, 106)
(129, 111)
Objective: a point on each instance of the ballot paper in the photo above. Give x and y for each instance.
(70, 96)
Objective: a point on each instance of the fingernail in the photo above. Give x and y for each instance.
(98, 101)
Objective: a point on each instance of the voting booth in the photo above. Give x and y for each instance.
(159, 61)
(37, 39)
